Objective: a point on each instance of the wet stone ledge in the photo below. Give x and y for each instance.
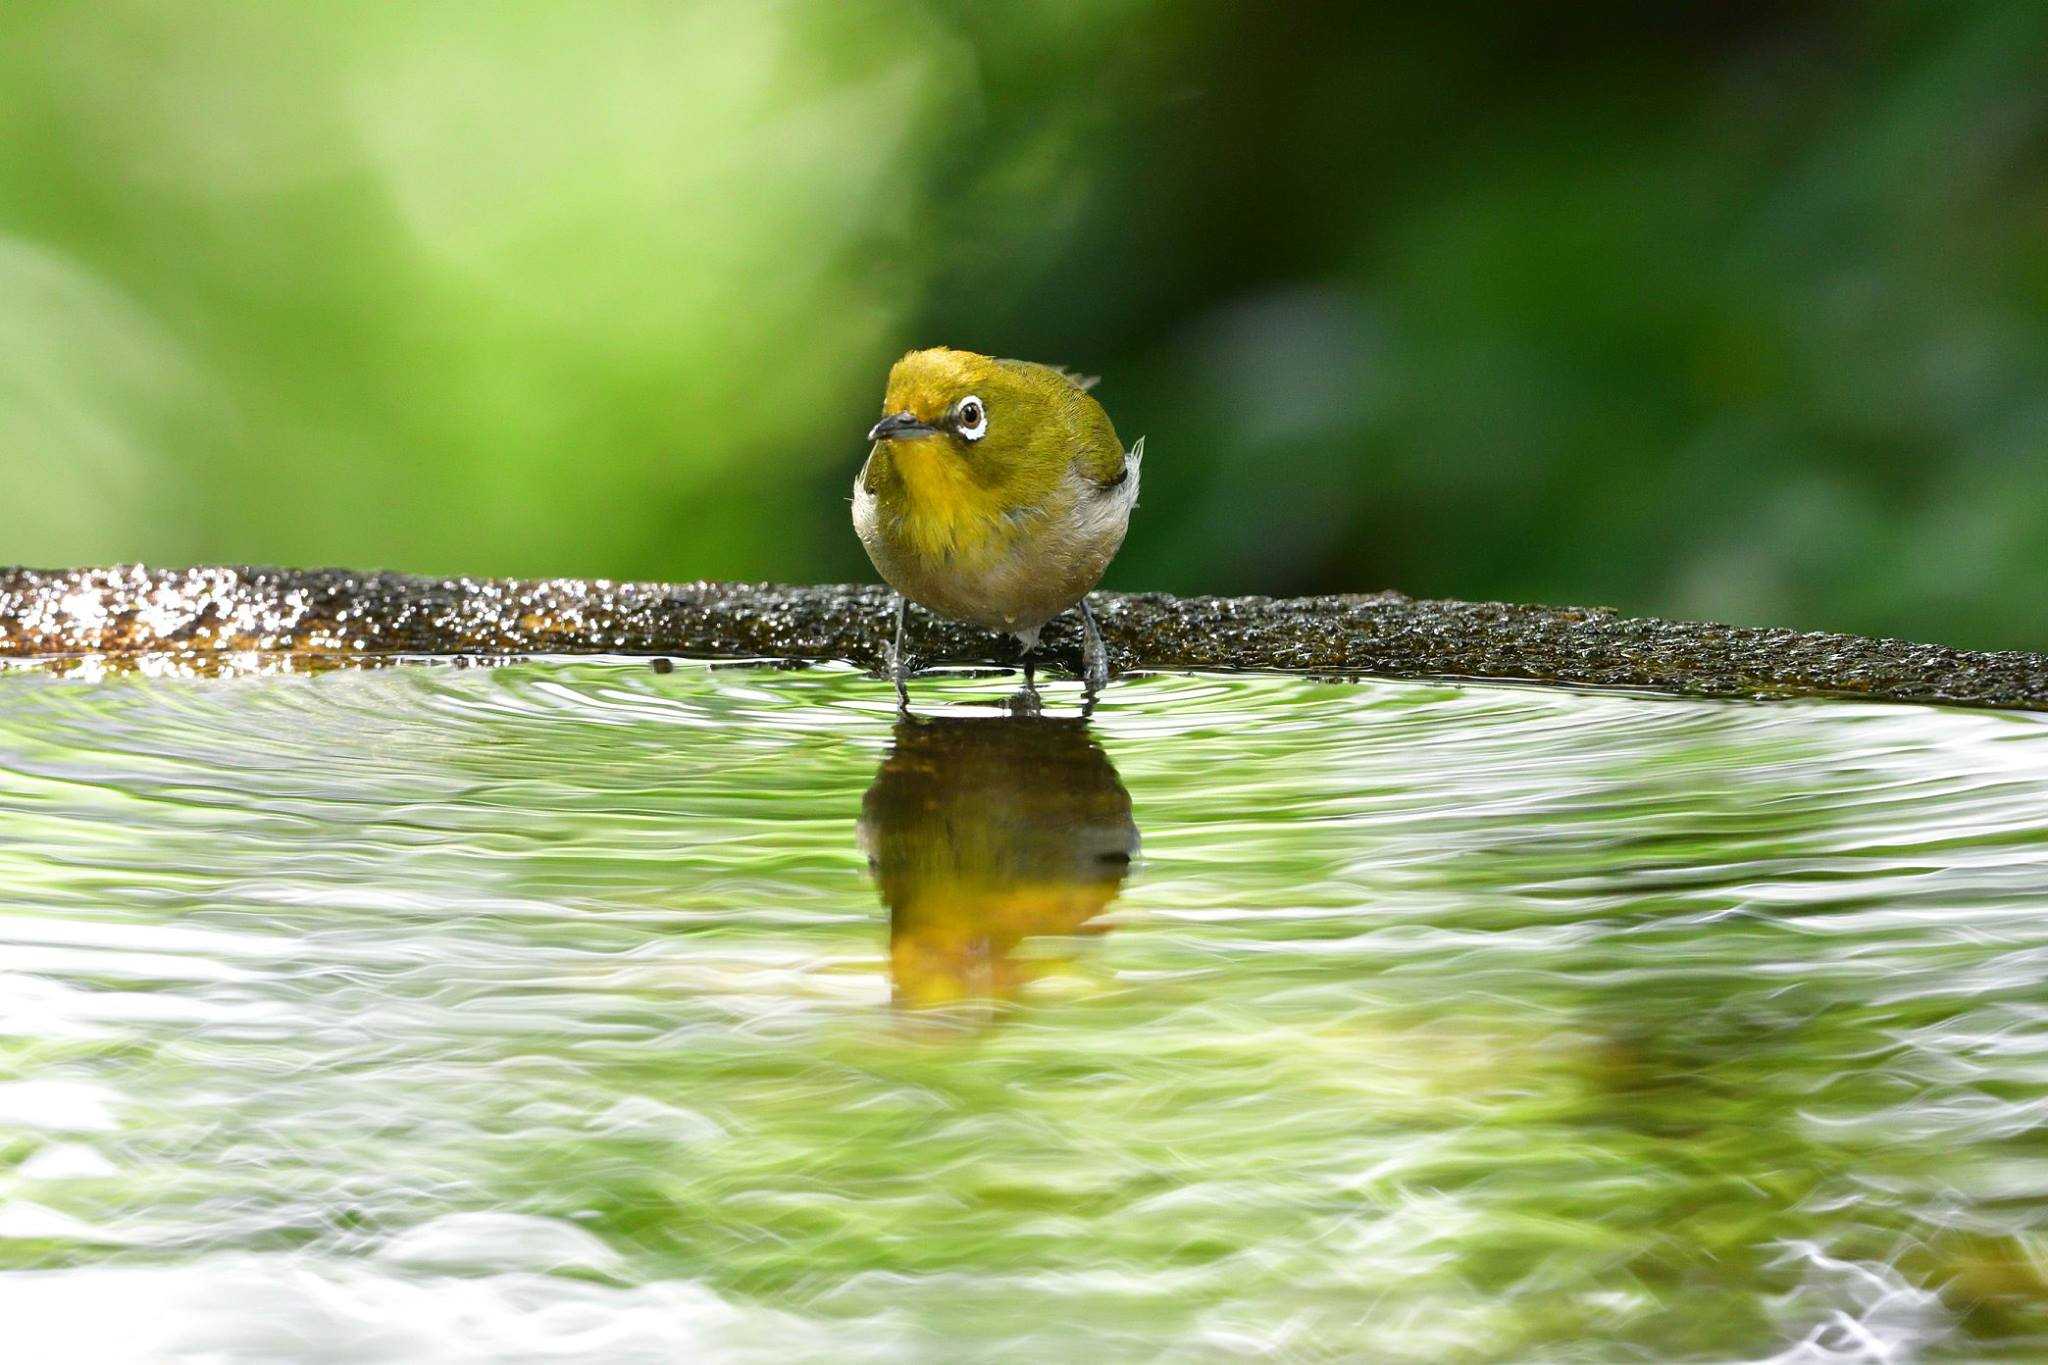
(330, 614)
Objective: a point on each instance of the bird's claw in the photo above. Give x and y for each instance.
(896, 668)
(1096, 673)
(896, 660)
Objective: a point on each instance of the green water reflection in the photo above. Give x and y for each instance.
(553, 1005)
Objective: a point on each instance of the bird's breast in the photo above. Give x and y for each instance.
(941, 511)
(1011, 572)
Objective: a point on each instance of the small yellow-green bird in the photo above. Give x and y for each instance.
(996, 494)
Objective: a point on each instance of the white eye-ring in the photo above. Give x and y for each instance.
(970, 418)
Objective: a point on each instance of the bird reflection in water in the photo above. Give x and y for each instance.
(983, 833)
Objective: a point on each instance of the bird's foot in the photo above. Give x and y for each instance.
(1095, 674)
(896, 661)
(897, 667)
(1025, 701)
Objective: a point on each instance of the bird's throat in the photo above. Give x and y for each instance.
(944, 511)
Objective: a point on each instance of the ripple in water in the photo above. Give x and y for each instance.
(579, 1011)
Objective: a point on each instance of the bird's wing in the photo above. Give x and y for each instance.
(1112, 475)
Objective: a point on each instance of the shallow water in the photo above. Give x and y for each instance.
(554, 1011)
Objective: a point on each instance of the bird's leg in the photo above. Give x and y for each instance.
(894, 656)
(1025, 701)
(1094, 656)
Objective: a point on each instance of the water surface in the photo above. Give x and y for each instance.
(576, 1010)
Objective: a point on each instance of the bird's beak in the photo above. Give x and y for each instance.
(900, 426)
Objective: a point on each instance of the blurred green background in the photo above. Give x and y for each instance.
(1736, 311)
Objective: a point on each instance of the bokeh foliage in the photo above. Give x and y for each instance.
(1728, 310)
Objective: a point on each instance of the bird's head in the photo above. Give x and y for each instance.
(997, 423)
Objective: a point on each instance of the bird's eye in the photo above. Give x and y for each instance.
(970, 418)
